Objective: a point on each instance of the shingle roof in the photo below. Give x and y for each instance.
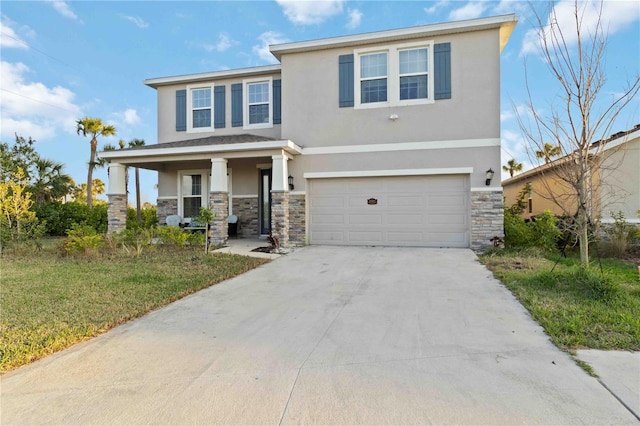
(211, 140)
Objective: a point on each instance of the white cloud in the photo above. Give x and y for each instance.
(511, 6)
(616, 16)
(138, 22)
(355, 16)
(223, 44)
(308, 12)
(262, 49)
(64, 9)
(471, 10)
(10, 38)
(439, 5)
(31, 108)
(131, 116)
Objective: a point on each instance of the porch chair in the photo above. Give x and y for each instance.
(173, 220)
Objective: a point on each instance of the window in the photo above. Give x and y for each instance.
(413, 73)
(399, 75)
(193, 194)
(257, 104)
(200, 108)
(373, 78)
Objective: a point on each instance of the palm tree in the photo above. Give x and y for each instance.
(548, 151)
(512, 167)
(80, 191)
(49, 183)
(134, 143)
(94, 127)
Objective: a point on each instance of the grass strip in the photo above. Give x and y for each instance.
(50, 302)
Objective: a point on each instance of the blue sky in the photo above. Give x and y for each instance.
(65, 60)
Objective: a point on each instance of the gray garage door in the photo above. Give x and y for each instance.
(428, 211)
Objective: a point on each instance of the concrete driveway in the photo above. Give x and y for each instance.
(324, 335)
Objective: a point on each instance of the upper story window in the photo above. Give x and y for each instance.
(258, 101)
(373, 78)
(397, 75)
(200, 108)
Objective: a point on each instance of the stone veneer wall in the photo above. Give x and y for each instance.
(166, 207)
(297, 223)
(487, 218)
(280, 216)
(117, 212)
(248, 212)
(219, 205)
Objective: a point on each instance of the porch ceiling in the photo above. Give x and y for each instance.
(155, 157)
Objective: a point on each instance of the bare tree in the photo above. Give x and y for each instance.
(581, 120)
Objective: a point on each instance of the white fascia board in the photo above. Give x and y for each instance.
(402, 146)
(486, 189)
(398, 34)
(286, 145)
(383, 173)
(190, 78)
(619, 141)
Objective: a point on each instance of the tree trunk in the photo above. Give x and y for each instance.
(92, 163)
(138, 207)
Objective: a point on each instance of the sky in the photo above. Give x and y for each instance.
(64, 60)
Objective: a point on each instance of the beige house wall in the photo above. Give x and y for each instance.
(621, 172)
(167, 113)
(312, 117)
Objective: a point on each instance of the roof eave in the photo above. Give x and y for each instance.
(208, 76)
(505, 23)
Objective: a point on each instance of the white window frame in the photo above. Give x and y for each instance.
(190, 109)
(245, 103)
(393, 75)
(205, 190)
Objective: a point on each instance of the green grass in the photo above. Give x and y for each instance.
(50, 302)
(577, 308)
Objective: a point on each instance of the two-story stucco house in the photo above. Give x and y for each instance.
(382, 138)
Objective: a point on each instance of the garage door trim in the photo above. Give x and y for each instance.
(401, 172)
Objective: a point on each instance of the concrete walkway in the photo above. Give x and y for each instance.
(324, 335)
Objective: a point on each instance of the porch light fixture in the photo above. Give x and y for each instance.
(290, 179)
(489, 177)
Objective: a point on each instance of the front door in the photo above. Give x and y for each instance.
(265, 201)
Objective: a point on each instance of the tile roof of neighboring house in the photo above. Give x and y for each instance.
(210, 140)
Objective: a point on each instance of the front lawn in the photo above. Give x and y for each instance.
(577, 309)
(50, 302)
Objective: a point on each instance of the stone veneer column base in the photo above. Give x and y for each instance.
(297, 220)
(487, 218)
(248, 212)
(280, 216)
(166, 207)
(219, 205)
(116, 212)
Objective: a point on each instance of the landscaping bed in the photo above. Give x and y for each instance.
(595, 309)
(50, 302)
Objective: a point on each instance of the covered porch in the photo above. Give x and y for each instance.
(242, 175)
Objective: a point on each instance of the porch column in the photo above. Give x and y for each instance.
(219, 201)
(280, 199)
(117, 196)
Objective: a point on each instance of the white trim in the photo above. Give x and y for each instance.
(619, 141)
(393, 75)
(401, 146)
(264, 165)
(167, 197)
(398, 34)
(298, 193)
(190, 128)
(245, 103)
(245, 196)
(208, 76)
(206, 149)
(380, 173)
(486, 189)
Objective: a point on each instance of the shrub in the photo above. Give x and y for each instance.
(83, 239)
(60, 217)
(541, 231)
(618, 236)
(149, 218)
(173, 235)
(135, 241)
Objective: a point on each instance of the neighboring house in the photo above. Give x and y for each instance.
(381, 138)
(616, 185)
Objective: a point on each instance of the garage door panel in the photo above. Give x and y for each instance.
(365, 219)
(409, 211)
